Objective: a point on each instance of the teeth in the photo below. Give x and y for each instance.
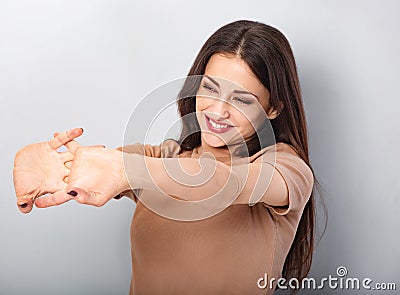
(217, 126)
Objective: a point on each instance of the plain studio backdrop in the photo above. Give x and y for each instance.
(66, 64)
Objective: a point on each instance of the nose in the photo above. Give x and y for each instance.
(221, 109)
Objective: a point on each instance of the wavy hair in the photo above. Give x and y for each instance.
(269, 55)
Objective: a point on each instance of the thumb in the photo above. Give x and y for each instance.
(55, 199)
(87, 197)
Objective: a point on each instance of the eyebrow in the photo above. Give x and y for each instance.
(235, 91)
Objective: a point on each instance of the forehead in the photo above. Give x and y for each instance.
(229, 69)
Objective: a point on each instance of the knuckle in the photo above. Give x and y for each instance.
(81, 150)
(81, 200)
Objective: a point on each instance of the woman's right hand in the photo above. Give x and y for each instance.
(40, 169)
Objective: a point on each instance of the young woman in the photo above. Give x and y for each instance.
(239, 212)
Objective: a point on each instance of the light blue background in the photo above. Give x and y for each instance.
(67, 64)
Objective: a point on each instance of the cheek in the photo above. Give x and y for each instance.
(258, 119)
(200, 106)
(202, 103)
(249, 120)
(245, 123)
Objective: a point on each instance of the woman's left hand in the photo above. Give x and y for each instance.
(39, 169)
(96, 176)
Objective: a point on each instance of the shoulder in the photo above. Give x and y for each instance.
(274, 151)
(296, 173)
(285, 155)
(169, 148)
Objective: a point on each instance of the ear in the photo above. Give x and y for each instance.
(274, 112)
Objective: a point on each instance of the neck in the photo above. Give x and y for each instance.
(218, 152)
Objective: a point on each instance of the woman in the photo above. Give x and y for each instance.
(234, 225)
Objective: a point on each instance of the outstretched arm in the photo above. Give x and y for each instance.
(193, 179)
(97, 175)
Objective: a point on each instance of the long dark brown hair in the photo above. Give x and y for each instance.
(269, 55)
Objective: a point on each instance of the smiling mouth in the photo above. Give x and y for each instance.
(215, 127)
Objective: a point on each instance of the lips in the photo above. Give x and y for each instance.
(216, 127)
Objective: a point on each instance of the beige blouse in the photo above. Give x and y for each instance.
(227, 253)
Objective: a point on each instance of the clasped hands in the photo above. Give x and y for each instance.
(45, 177)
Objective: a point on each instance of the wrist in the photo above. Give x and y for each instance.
(135, 173)
(124, 185)
(131, 171)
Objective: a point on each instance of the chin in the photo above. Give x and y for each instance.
(213, 140)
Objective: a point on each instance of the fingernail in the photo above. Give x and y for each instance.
(24, 205)
(72, 193)
(104, 146)
(82, 130)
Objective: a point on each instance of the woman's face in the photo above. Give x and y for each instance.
(231, 103)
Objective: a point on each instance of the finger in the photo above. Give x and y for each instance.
(73, 146)
(88, 198)
(57, 134)
(62, 138)
(55, 199)
(25, 204)
(66, 156)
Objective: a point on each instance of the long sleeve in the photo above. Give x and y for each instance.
(206, 184)
(281, 180)
(298, 178)
(168, 148)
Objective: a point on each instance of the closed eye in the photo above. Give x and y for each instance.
(242, 101)
(209, 88)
